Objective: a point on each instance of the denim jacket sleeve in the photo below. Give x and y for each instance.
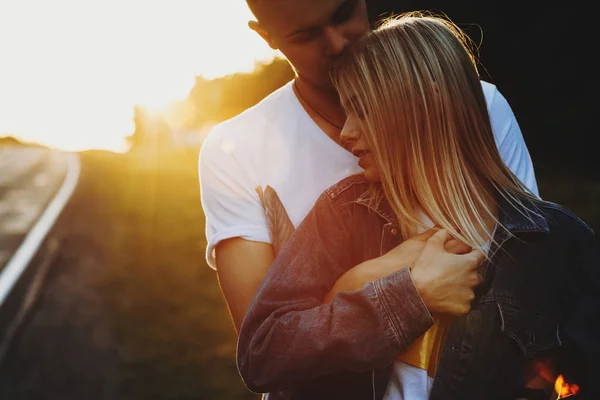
(580, 332)
(289, 336)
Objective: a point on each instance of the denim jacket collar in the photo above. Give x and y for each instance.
(383, 209)
(515, 221)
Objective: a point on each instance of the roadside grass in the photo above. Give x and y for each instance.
(143, 218)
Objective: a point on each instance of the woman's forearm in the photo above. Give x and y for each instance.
(284, 343)
(357, 277)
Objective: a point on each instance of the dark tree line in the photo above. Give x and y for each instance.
(213, 101)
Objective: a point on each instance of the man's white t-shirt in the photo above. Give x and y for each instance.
(276, 143)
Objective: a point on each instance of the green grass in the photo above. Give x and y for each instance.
(141, 214)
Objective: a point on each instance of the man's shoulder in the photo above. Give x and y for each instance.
(243, 137)
(490, 91)
(488, 86)
(259, 117)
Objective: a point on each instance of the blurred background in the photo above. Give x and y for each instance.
(104, 289)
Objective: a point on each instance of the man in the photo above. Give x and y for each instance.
(290, 143)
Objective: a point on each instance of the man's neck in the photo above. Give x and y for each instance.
(323, 106)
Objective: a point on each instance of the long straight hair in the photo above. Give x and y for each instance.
(414, 83)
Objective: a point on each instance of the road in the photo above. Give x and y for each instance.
(35, 185)
(29, 179)
(129, 309)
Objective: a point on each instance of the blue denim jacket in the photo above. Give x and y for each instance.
(540, 295)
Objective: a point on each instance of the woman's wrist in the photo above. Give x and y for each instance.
(352, 280)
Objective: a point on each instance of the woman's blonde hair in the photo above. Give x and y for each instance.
(414, 84)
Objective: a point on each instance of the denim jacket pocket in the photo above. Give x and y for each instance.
(532, 332)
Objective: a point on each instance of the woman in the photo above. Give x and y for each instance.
(418, 123)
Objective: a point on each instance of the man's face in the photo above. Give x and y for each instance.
(312, 33)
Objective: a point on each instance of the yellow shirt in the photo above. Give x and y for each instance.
(425, 352)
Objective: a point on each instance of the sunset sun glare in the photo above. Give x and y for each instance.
(73, 70)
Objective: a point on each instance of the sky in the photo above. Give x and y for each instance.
(72, 70)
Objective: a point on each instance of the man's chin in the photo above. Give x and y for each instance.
(323, 84)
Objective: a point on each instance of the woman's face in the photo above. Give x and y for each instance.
(353, 139)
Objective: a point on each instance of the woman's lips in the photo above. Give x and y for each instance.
(359, 153)
(362, 159)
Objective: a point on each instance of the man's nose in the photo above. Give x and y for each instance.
(336, 41)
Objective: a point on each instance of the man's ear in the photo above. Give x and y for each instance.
(256, 27)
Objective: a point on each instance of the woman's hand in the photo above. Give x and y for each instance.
(446, 281)
(403, 255)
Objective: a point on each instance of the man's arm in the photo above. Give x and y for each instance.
(238, 245)
(241, 265)
(290, 336)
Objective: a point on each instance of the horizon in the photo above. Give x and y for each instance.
(75, 70)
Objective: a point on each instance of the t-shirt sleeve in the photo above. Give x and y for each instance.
(229, 200)
(510, 141)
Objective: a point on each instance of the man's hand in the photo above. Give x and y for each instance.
(405, 254)
(446, 281)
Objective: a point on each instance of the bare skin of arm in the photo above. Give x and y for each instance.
(405, 254)
(242, 264)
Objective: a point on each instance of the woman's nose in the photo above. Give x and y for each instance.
(348, 135)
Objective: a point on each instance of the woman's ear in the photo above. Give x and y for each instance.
(256, 27)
